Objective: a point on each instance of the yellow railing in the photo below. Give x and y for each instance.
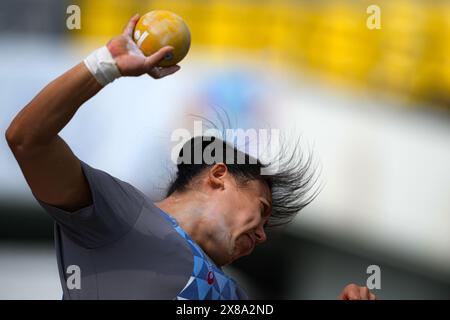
(409, 56)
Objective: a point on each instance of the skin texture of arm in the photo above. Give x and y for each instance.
(50, 168)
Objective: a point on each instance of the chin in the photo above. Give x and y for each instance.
(239, 256)
(242, 253)
(239, 249)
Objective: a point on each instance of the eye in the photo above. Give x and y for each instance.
(262, 209)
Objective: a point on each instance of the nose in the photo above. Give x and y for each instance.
(260, 235)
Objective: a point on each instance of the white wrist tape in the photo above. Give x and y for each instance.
(102, 66)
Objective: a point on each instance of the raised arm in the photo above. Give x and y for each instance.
(50, 168)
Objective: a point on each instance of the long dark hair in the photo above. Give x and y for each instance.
(292, 185)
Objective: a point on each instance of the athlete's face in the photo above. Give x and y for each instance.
(237, 215)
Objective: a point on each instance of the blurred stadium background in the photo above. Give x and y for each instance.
(374, 104)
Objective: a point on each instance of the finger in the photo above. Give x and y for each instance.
(345, 295)
(169, 70)
(160, 72)
(155, 72)
(353, 295)
(353, 292)
(128, 31)
(350, 295)
(156, 58)
(364, 293)
(372, 297)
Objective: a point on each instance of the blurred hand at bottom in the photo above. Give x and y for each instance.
(355, 292)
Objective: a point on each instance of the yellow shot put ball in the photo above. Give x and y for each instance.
(160, 28)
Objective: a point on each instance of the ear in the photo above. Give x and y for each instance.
(217, 174)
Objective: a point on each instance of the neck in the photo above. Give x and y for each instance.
(189, 209)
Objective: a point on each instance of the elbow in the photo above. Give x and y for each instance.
(10, 137)
(22, 144)
(15, 140)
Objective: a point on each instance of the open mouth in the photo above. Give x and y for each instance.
(251, 242)
(246, 244)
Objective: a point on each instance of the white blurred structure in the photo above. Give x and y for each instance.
(28, 272)
(386, 170)
(386, 173)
